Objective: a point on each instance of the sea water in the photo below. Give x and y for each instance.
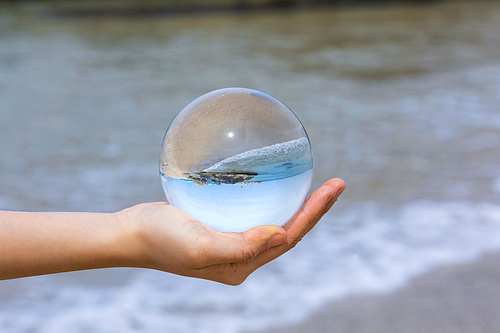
(419, 152)
(238, 207)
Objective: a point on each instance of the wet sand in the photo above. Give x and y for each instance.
(455, 299)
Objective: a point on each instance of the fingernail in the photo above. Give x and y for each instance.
(275, 240)
(331, 196)
(339, 192)
(332, 193)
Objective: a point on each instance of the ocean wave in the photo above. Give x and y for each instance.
(279, 153)
(364, 249)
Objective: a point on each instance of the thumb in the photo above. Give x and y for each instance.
(243, 247)
(266, 236)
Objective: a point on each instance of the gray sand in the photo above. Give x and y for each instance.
(462, 298)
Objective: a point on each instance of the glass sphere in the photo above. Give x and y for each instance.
(235, 159)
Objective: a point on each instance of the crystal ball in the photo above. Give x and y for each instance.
(235, 159)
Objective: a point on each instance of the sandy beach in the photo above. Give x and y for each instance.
(460, 298)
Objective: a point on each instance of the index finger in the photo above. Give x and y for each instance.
(314, 208)
(304, 220)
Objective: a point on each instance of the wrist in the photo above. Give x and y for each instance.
(130, 241)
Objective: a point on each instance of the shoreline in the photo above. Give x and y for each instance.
(160, 8)
(459, 298)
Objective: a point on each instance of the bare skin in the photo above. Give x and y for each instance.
(153, 235)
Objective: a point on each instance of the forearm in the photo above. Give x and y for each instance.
(43, 243)
(152, 235)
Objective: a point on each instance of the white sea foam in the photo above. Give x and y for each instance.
(366, 249)
(279, 153)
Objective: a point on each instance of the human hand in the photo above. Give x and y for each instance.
(173, 241)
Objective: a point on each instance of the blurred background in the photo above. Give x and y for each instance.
(401, 99)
